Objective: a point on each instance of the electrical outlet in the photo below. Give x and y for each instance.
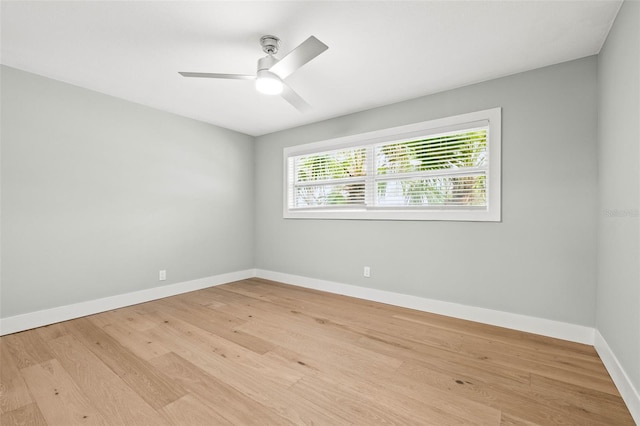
(162, 275)
(367, 272)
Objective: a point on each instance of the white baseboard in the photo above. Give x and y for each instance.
(629, 393)
(561, 330)
(545, 327)
(63, 313)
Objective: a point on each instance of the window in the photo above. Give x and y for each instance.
(445, 169)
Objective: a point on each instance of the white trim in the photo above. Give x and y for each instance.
(63, 313)
(629, 393)
(544, 327)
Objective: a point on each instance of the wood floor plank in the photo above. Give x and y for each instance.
(52, 331)
(58, 397)
(28, 415)
(190, 410)
(505, 335)
(219, 323)
(230, 403)
(349, 404)
(261, 352)
(339, 313)
(133, 316)
(156, 389)
(398, 392)
(27, 348)
(136, 341)
(331, 350)
(202, 314)
(397, 406)
(381, 385)
(102, 387)
(220, 296)
(268, 313)
(204, 298)
(528, 403)
(478, 366)
(247, 288)
(584, 402)
(588, 365)
(228, 354)
(494, 339)
(511, 420)
(440, 359)
(256, 384)
(13, 391)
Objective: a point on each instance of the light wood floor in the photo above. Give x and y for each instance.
(258, 352)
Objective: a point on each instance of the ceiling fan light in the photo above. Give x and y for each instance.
(268, 83)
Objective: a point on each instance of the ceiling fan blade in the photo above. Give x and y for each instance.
(306, 51)
(294, 99)
(215, 75)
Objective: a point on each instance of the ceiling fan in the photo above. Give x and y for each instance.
(272, 71)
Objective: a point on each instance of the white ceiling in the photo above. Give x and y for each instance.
(379, 52)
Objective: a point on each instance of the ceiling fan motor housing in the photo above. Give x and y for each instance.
(266, 62)
(270, 44)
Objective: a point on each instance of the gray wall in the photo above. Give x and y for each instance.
(540, 261)
(618, 311)
(98, 194)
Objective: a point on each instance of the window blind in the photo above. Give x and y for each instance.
(330, 178)
(444, 170)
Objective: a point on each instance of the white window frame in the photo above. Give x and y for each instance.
(461, 122)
